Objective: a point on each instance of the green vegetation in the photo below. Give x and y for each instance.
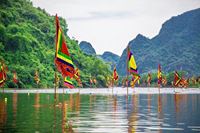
(110, 58)
(27, 44)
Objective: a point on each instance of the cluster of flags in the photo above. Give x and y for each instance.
(179, 81)
(131, 69)
(3, 77)
(65, 66)
(63, 60)
(93, 81)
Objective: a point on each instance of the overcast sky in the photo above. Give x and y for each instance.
(110, 24)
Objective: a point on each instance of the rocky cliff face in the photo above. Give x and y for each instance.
(110, 58)
(176, 47)
(87, 48)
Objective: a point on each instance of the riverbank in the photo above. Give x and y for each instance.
(109, 91)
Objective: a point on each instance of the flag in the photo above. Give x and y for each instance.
(115, 74)
(149, 79)
(164, 81)
(91, 81)
(68, 83)
(56, 79)
(36, 77)
(15, 79)
(77, 74)
(94, 81)
(2, 74)
(159, 75)
(132, 67)
(63, 60)
(77, 77)
(135, 79)
(177, 79)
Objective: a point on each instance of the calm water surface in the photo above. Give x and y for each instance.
(39, 113)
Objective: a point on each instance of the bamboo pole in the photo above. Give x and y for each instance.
(127, 73)
(55, 82)
(112, 85)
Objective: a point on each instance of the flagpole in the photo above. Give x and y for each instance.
(159, 82)
(112, 85)
(113, 78)
(63, 90)
(55, 75)
(127, 73)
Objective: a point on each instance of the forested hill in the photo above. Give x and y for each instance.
(176, 47)
(87, 48)
(27, 44)
(110, 58)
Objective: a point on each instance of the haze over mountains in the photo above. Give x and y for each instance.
(176, 47)
(109, 57)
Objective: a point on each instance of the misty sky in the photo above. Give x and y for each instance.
(110, 24)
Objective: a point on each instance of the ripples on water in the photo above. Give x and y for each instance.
(95, 113)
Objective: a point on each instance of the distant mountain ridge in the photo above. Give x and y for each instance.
(87, 48)
(176, 47)
(110, 58)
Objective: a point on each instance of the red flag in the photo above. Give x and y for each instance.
(63, 60)
(3, 76)
(177, 79)
(159, 75)
(115, 74)
(15, 79)
(149, 79)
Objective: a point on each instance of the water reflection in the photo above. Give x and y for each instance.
(115, 104)
(92, 101)
(177, 102)
(54, 115)
(160, 115)
(71, 102)
(94, 113)
(14, 105)
(133, 118)
(159, 103)
(149, 103)
(3, 112)
(77, 103)
(64, 116)
(37, 109)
